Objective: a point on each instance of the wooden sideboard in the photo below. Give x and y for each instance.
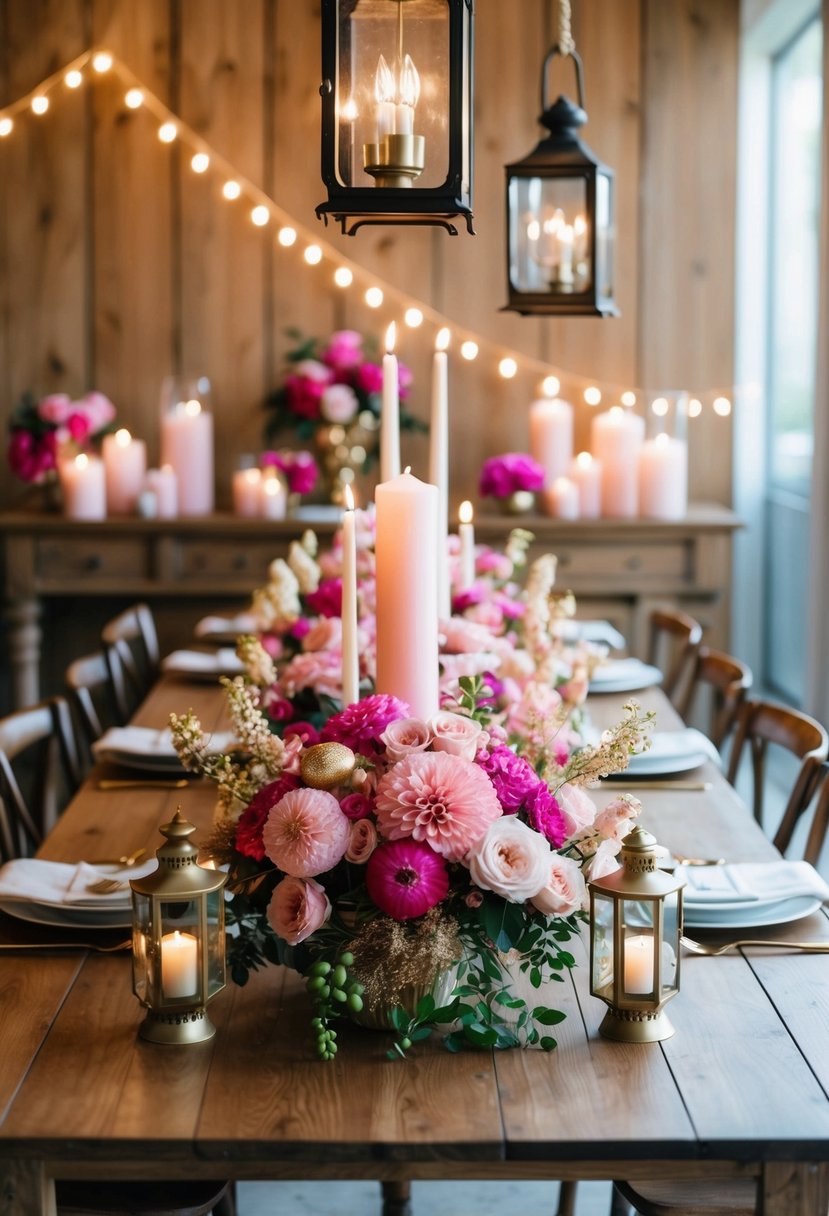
(618, 569)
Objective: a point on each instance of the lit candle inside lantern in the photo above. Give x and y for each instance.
(187, 445)
(125, 466)
(409, 95)
(164, 484)
(551, 436)
(466, 535)
(83, 486)
(565, 255)
(179, 964)
(247, 488)
(273, 498)
(390, 413)
(351, 649)
(580, 243)
(439, 463)
(407, 598)
(562, 499)
(384, 96)
(663, 478)
(616, 439)
(587, 475)
(638, 965)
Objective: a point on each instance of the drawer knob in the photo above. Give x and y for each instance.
(93, 562)
(240, 561)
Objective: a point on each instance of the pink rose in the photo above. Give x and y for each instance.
(320, 670)
(362, 842)
(344, 350)
(616, 820)
(55, 409)
(78, 427)
(339, 404)
(297, 909)
(455, 734)
(497, 564)
(512, 860)
(370, 377)
(535, 717)
(453, 666)
(356, 806)
(404, 736)
(97, 409)
(326, 634)
(489, 615)
(566, 890)
(577, 807)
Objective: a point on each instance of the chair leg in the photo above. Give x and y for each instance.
(619, 1206)
(567, 1199)
(397, 1198)
(227, 1204)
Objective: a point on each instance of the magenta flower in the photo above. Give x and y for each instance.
(55, 408)
(300, 469)
(502, 476)
(360, 726)
(344, 350)
(252, 820)
(406, 879)
(304, 731)
(370, 377)
(356, 806)
(512, 776)
(306, 833)
(304, 388)
(327, 600)
(545, 815)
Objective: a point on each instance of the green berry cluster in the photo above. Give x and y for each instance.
(332, 990)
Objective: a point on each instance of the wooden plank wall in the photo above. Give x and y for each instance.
(118, 265)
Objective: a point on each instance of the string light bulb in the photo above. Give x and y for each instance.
(551, 386)
(722, 406)
(374, 297)
(287, 236)
(659, 406)
(134, 99)
(167, 132)
(694, 407)
(628, 399)
(313, 255)
(6, 127)
(343, 276)
(592, 395)
(413, 318)
(260, 215)
(102, 61)
(508, 368)
(73, 79)
(200, 162)
(231, 190)
(469, 350)
(40, 104)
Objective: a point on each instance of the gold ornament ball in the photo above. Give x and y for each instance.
(325, 765)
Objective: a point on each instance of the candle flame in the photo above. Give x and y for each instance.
(272, 486)
(192, 407)
(391, 337)
(383, 82)
(409, 83)
(550, 386)
(123, 438)
(584, 460)
(349, 110)
(348, 495)
(81, 460)
(465, 512)
(443, 337)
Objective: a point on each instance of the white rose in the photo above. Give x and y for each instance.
(511, 859)
(338, 404)
(566, 890)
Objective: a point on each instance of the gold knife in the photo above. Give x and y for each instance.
(129, 783)
(636, 784)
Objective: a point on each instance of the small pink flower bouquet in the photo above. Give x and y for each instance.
(41, 430)
(512, 473)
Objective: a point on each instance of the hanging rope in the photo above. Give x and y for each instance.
(566, 42)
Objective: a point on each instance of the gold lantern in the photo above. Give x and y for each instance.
(178, 940)
(635, 927)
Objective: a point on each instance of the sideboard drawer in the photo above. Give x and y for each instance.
(244, 564)
(70, 560)
(625, 562)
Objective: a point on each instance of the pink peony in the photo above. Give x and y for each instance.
(344, 350)
(78, 427)
(302, 730)
(304, 389)
(616, 819)
(512, 776)
(339, 404)
(252, 820)
(544, 814)
(297, 909)
(370, 377)
(327, 600)
(97, 409)
(490, 561)
(360, 726)
(405, 736)
(502, 476)
(320, 670)
(55, 408)
(362, 842)
(512, 860)
(299, 469)
(306, 833)
(455, 734)
(406, 879)
(577, 807)
(566, 890)
(441, 799)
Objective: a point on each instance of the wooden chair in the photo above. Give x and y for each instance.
(39, 772)
(726, 681)
(673, 642)
(130, 645)
(91, 695)
(177, 1198)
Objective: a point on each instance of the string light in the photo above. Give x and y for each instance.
(167, 132)
(313, 255)
(694, 407)
(343, 276)
(231, 189)
(592, 395)
(628, 399)
(73, 79)
(40, 104)
(134, 99)
(102, 61)
(413, 318)
(200, 162)
(260, 215)
(659, 406)
(469, 350)
(287, 236)
(374, 297)
(551, 386)
(6, 127)
(722, 406)
(508, 367)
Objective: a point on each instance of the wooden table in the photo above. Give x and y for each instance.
(740, 1090)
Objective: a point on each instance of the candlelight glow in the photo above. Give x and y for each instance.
(551, 386)
(391, 336)
(508, 368)
(192, 407)
(349, 110)
(722, 406)
(123, 438)
(469, 350)
(584, 460)
(443, 337)
(413, 318)
(660, 406)
(374, 297)
(592, 395)
(409, 83)
(383, 82)
(628, 398)
(465, 512)
(348, 495)
(81, 460)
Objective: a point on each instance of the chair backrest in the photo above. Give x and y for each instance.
(820, 818)
(130, 644)
(92, 698)
(38, 756)
(760, 723)
(726, 681)
(674, 638)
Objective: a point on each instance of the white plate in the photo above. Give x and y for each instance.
(672, 751)
(624, 676)
(202, 665)
(66, 916)
(753, 915)
(170, 766)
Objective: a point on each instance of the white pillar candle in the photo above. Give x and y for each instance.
(179, 964)
(565, 255)
(466, 535)
(638, 965)
(561, 500)
(247, 484)
(351, 648)
(164, 485)
(83, 486)
(187, 445)
(407, 597)
(551, 436)
(390, 413)
(273, 498)
(663, 478)
(587, 475)
(125, 466)
(616, 439)
(439, 464)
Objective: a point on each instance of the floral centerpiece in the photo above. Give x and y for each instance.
(331, 394)
(300, 470)
(513, 479)
(43, 431)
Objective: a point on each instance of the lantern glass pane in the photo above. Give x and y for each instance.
(141, 952)
(392, 80)
(601, 979)
(180, 950)
(549, 235)
(671, 929)
(215, 943)
(605, 236)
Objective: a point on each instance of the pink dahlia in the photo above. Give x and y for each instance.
(361, 725)
(252, 820)
(439, 798)
(406, 878)
(306, 833)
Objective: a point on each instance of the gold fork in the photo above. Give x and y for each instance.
(713, 951)
(127, 945)
(105, 886)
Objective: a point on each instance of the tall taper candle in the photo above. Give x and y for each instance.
(439, 463)
(407, 594)
(351, 649)
(390, 415)
(466, 535)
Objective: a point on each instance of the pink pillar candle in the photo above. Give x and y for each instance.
(187, 445)
(125, 466)
(562, 499)
(351, 647)
(663, 478)
(83, 484)
(164, 485)
(616, 439)
(273, 497)
(551, 436)
(407, 594)
(587, 475)
(246, 490)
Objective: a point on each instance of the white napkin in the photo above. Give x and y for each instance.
(590, 631)
(245, 622)
(143, 741)
(220, 662)
(673, 746)
(751, 882)
(55, 883)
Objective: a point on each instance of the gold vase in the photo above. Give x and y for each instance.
(375, 1014)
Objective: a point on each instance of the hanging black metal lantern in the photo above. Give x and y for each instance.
(397, 112)
(560, 222)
